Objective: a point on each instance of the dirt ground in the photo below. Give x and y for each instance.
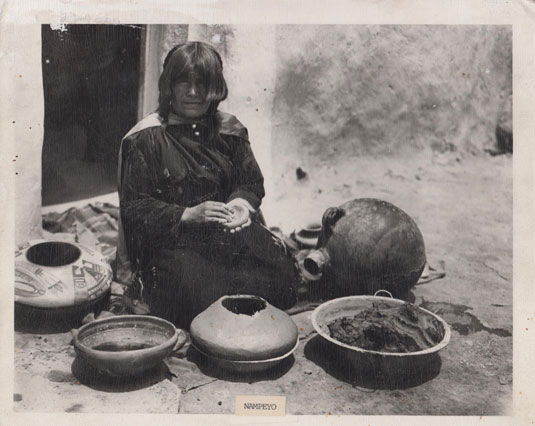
(463, 206)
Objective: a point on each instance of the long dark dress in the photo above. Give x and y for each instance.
(168, 167)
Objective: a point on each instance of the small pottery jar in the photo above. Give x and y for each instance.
(307, 237)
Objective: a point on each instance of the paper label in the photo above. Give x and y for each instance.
(260, 405)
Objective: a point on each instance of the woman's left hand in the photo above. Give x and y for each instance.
(242, 216)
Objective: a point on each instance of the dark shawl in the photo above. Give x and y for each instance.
(165, 167)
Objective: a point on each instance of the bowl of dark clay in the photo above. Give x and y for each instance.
(126, 345)
(381, 333)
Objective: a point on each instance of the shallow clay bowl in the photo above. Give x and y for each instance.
(127, 345)
(368, 359)
(246, 367)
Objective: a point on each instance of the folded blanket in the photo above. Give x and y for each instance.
(94, 225)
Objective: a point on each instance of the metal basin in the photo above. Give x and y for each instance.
(369, 360)
(127, 345)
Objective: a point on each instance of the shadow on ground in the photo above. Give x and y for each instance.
(93, 378)
(50, 321)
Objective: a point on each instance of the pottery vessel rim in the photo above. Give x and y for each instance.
(58, 243)
(332, 303)
(241, 296)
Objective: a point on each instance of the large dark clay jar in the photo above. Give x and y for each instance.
(367, 245)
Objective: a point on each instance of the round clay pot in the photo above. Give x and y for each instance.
(243, 328)
(366, 245)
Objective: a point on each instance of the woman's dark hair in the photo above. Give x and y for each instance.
(192, 61)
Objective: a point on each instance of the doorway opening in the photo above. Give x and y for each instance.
(91, 76)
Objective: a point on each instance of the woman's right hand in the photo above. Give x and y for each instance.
(207, 212)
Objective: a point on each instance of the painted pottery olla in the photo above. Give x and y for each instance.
(366, 245)
(127, 345)
(244, 332)
(57, 274)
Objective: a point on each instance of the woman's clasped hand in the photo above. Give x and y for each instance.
(241, 216)
(233, 217)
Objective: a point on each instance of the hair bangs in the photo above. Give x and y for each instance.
(208, 70)
(193, 61)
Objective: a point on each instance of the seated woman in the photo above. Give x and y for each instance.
(190, 189)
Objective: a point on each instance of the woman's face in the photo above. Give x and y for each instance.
(189, 99)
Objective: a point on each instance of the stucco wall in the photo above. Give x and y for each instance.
(249, 61)
(322, 94)
(387, 90)
(338, 91)
(22, 99)
(157, 41)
